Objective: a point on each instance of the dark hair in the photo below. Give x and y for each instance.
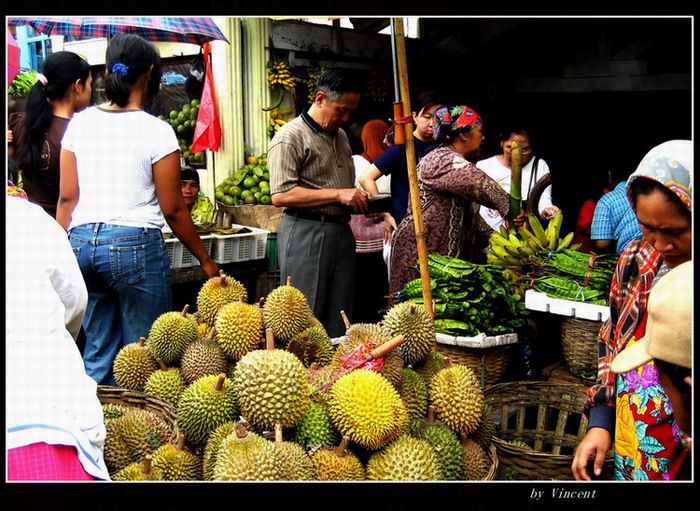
(133, 56)
(643, 185)
(426, 99)
(189, 173)
(515, 128)
(61, 70)
(334, 82)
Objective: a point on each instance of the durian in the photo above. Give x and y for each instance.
(239, 329)
(458, 398)
(139, 471)
(246, 456)
(312, 345)
(176, 463)
(204, 405)
(366, 408)
(202, 358)
(337, 464)
(133, 364)
(430, 365)
(405, 459)
(418, 328)
(476, 461)
(445, 443)
(217, 292)
(271, 387)
(211, 450)
(166, 383)
(286, 312)
(414, 393)
(294, 464)
(170, 334)
(315, 427)
(112, 411)
(484, 433)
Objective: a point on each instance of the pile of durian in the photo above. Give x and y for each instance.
(263, 394)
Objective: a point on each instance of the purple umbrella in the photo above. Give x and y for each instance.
(12, 58)
(168, 29)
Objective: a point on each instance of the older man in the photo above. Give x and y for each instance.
(312, 175)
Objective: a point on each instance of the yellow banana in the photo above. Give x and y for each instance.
(492, 259)
(553, 230)
(497, 239)
(512, 250)
(277, 127)
(565, 241)
(515, 240)
(537, 230)
(503, 230)
(280, 121)
(525, 252)
(501, 253)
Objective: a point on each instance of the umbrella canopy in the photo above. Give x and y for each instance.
(167, 29)
(12, 58)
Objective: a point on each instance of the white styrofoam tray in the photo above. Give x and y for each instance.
(534, 300)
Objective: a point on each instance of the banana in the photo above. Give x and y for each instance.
(501, 253)
(525, 252)
(565, 241)
(515, 240)
(503, 231)
(280, 121)
(492, 259)
(537, 230)
(553, 234)
(497, 239)
(527, 236)
(513, 251)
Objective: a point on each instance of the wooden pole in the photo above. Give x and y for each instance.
(411, 164)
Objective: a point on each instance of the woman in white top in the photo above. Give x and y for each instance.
(498, 168)
(120, 177)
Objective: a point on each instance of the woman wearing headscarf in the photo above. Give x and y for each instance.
(452, 189)
(632, 409)
(372, 283)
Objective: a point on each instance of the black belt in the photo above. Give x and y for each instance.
(319, 217)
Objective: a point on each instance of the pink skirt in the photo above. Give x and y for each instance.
(45, 462)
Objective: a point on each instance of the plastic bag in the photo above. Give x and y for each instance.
(195, 76)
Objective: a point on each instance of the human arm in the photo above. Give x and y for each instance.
(300, 197)
(595, 444)
(166, 176)
(603, 226)
(69, 191)
(368, 179)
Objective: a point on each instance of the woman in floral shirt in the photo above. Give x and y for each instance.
(451, 191)
(632, 410)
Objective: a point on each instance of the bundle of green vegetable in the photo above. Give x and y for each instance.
(22, 84)
(469, 298)
(573, 275)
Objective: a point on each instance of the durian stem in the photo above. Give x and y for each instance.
(219, 385)
(142, 342)
(315, 366)
(180, 442)
(289, 280)
(434, 305)
(241, 430)
(345, 320)
(385, 348)
(448, 363)
(340, 450)
(146, 466)
(431, 415)
(185, 309)
(161, 364)
(212, 333)
(278, 433)
(412, 308)
(269, 339)
(262, 302)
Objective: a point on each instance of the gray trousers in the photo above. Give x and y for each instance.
(320, 258)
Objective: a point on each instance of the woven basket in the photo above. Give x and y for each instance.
(493, 456)
(488, 364)
(136, 399)
(547, 416)
(580, 346)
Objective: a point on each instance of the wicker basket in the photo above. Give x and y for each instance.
(489, 364)
(134, 398)
(580, 346)
(493, 456)
(547, 416)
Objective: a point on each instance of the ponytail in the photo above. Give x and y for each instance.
(128, 57)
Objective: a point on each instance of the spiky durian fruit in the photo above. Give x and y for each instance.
(337, 464)
(431, 364)
(366, 408)
(203, 357)
(245, 456)
(271, 387)
(484, 433)
(204, 405)
(315, 427)
(133, 365)
(112, 411)
(166, 383)
(405, 459)
(371, 336)
(414, 393)
(217, 292)
(286, 312)
(320, 378)
(132, 436)
(444, 442)
(211, 450)
(312, 345)
(139, 471)
(292, 459)
(476, 461)
(418, 328)
(202, 330)
(458, 398)
(170, 334)
(176, 463)
(239, 329)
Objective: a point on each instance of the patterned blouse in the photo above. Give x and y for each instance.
(451, 191)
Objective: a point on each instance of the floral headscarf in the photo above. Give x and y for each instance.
(451, 120)
(671, 164)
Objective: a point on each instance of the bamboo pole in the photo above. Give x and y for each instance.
(516, 169)
(411, 164)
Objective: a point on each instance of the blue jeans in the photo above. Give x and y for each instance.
(127, 274)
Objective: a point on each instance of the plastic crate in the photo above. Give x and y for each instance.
(233, 248)
(180, 257)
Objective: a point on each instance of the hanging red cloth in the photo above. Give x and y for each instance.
(207, 130)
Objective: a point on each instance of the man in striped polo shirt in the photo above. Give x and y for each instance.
(312, 175)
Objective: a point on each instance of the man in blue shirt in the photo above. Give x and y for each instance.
(614, 219)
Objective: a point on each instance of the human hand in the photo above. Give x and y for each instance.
(355, 198)
(210, 267)
(520, 219)
(549, 212)
(596, 443)
(9, 136)
(389, 227)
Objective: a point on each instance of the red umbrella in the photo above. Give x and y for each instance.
(12, 58)
(154, 28)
